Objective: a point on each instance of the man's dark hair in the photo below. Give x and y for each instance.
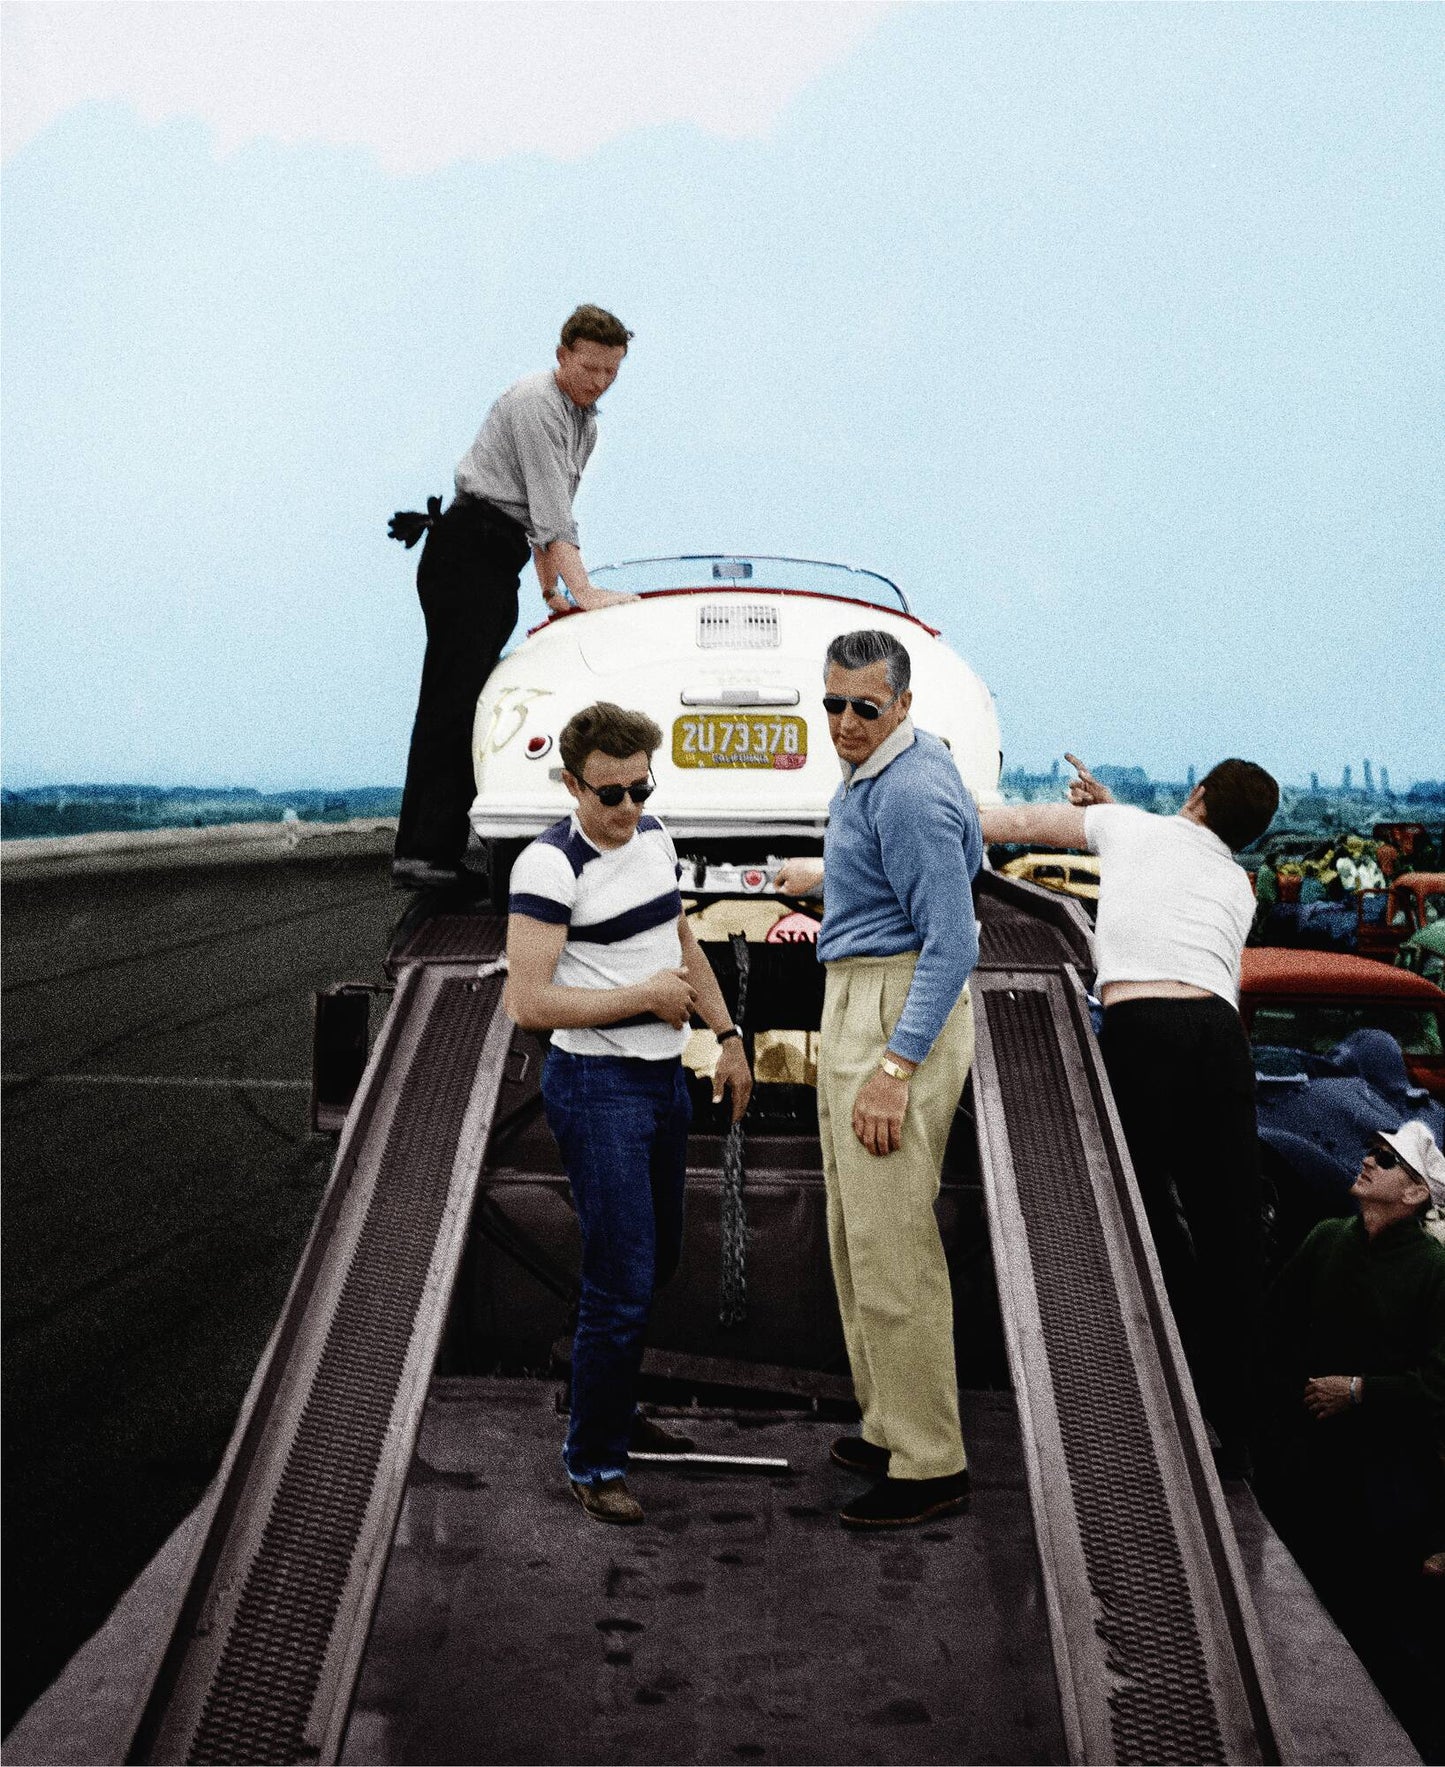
(1240, 800)
(596, 325)
(859, 650)
(609, 730)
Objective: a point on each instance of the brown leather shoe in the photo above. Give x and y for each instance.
(608, 1500)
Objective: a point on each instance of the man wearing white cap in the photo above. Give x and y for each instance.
(1355, 1482)
(1367, 1294)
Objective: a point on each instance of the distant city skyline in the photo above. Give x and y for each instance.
(1110, 332)
(1369, 783)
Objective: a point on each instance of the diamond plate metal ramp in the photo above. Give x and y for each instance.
(1024, 926)
(269, 1634)
(1158, 1652)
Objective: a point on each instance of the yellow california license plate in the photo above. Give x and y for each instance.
(739, 739)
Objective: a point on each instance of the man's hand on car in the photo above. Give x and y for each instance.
(799, 877)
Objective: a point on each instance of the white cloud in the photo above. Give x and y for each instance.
(424, 83)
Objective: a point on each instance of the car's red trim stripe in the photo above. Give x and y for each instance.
(897, 613)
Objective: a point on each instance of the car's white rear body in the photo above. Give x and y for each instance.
(732, 673)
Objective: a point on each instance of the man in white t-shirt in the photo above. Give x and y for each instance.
(600, 953)
(1174, 912)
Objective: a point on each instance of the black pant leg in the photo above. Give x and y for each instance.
(1216, 1173)
(1183, 1079)
(467, 582)
(1142, 1056)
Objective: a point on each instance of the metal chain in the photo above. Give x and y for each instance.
(733, 1289)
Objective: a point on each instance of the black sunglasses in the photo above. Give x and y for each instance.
(1385, 1158)
(834, 703)
(612, 795)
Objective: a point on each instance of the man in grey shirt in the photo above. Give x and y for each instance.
(514, 491)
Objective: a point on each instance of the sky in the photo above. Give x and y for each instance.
(1112, 332)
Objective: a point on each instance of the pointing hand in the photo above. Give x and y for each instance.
(1086, 790)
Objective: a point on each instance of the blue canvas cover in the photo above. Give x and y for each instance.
(1320, 1119)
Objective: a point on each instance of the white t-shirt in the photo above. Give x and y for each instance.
(1174, 906)
(620, 908)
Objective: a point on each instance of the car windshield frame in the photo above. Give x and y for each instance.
(1328, 1021)
(693, 571)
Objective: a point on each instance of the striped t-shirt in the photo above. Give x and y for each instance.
(620, 908)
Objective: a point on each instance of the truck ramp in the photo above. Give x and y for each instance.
(1157, 1652)
(265, 1650)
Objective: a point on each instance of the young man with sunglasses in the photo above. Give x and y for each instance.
(601, 954)
(1352, 1470)
(899, 940)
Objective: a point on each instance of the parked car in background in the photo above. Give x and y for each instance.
(1424, 953)
(1385, 919)
(1317, 1116)
(1076, 874)
(1371, 922)
(1312, 1000)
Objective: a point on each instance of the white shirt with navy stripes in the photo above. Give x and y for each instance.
(620, 907)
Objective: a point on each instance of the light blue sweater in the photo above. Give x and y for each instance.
(902, 849)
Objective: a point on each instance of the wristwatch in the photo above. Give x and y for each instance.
(731, 1031)
(893, 1070)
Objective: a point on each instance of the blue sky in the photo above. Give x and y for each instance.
(1112, 332)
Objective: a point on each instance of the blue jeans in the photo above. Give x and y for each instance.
(622, 1127)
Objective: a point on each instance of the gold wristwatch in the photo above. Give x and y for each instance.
(893, 1070)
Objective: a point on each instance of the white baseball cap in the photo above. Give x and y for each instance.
(1416, 1147)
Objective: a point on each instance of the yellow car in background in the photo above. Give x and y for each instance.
(1076, 874)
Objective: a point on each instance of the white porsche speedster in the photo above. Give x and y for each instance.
(725, 653)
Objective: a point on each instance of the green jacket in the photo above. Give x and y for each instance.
(1346, 1304)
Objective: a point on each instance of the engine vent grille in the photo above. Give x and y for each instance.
(747, 625)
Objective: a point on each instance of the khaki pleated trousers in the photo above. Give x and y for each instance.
(888, 1262)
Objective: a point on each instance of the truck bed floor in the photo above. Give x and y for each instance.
(738, 1623)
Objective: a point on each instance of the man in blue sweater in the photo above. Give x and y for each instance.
(899, 940)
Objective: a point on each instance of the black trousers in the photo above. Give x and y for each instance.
(467, 580)
(1183, 1079)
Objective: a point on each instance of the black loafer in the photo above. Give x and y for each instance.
(903, 1503)
(860, 1455)
(649, 1437)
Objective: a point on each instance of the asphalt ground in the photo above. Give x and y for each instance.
(159, 1182)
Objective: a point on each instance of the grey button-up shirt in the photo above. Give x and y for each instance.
(528, 457)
